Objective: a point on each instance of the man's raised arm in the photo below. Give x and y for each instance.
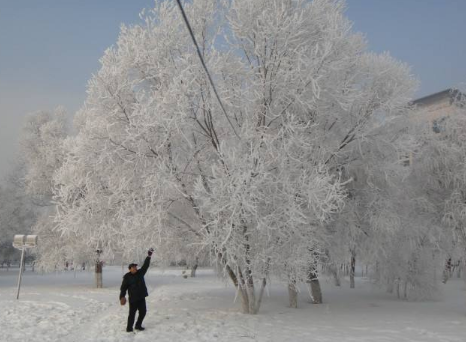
(146, 264)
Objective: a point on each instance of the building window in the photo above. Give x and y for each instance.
(406, 160)
(438, 125)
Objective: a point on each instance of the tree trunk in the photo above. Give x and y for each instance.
(193, 271)
(405, 290)
(316, 292)
(447, 271)
(237, 282)
(352, 269)
(247, 293)
(336, 276)
(244, 300)
(240, 286)
(293, 294)
(314, 286)
(245, 287)
(390, 286)
(261, 293)
(252, 299)
(98, 274)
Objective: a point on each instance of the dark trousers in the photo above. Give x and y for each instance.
(140, 306)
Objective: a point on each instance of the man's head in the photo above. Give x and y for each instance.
(133, 268)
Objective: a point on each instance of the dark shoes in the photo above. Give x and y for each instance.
(136, 328)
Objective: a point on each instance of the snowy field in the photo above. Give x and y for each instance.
(65, 307)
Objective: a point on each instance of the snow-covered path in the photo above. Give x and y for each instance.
(59, 307)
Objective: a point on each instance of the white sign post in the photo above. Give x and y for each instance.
(22, 242)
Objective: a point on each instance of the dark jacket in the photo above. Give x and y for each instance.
(135, 284)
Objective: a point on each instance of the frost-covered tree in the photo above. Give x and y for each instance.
(376, 173)
(405, 257)
(255, 181)
(405, 241)
(42, 151)
(17, 214)
(440, 163)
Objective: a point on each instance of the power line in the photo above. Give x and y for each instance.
(203, 64)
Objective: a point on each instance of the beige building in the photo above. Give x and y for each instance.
(436, 107)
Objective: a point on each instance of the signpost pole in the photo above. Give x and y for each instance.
(20, 271)
(22, 242)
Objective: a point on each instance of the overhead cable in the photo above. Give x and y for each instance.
(203, 64)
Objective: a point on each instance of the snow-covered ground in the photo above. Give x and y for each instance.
(65, 307)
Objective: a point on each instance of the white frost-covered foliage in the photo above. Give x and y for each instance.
(42, 147)
(440, 162)
(157, 161)
(406, 257)
(16, 213)
(42, 150)
(387, 224)
(415, 214)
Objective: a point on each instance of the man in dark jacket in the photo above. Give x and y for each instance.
(134, 283)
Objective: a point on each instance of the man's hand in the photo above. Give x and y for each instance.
(123, 300)
(149, 253)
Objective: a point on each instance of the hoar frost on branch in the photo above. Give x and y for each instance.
(155, 159)
(42, 151)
